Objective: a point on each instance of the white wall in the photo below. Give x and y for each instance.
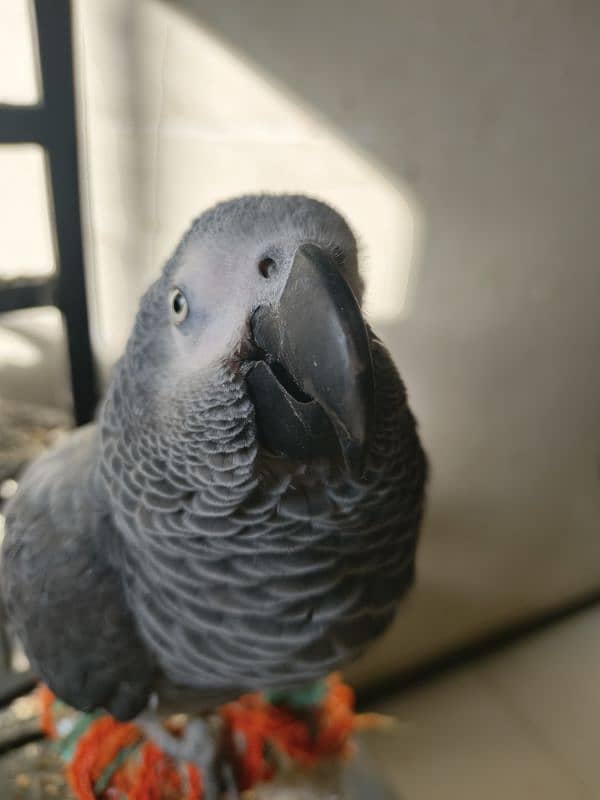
(463, 141)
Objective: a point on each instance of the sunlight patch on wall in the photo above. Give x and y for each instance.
(19, 74)
(17, 351)
(214, 126)
(27, 247)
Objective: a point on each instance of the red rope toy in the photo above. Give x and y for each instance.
(110, 760)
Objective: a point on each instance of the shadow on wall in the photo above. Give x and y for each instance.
(459, 137)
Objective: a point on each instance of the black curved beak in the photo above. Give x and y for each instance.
(313, 390)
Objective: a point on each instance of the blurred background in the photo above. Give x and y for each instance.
(462, 142)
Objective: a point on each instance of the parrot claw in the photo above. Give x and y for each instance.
(197, 745)
(229, 782)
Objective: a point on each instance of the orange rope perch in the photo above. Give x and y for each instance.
(255, 723)
(98, 746)
(109, 760)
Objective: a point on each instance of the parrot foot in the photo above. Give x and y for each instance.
(199, 745)
(229, 782)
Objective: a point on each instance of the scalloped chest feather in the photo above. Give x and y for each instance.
(240, 576)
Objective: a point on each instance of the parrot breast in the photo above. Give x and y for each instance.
(247, 572)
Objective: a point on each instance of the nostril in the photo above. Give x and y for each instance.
(267, 267)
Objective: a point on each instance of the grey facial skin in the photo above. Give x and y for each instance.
(216, 531)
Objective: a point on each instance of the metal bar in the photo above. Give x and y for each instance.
(60, 139)
(31, 733)
(16, 684)
(22, 124)
(15, 295)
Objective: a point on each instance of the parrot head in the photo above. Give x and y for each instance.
(269, 285)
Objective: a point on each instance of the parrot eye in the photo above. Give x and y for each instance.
(266, 267)
(179, 306)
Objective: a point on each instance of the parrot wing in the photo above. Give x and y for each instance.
(64, 597)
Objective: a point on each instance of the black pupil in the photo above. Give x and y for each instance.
(266, 267)
(178, 303)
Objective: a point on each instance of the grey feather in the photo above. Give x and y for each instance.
(63, 597)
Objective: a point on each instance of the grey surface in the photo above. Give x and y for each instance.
(522, 723)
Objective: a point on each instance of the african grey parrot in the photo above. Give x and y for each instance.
(244, 512)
